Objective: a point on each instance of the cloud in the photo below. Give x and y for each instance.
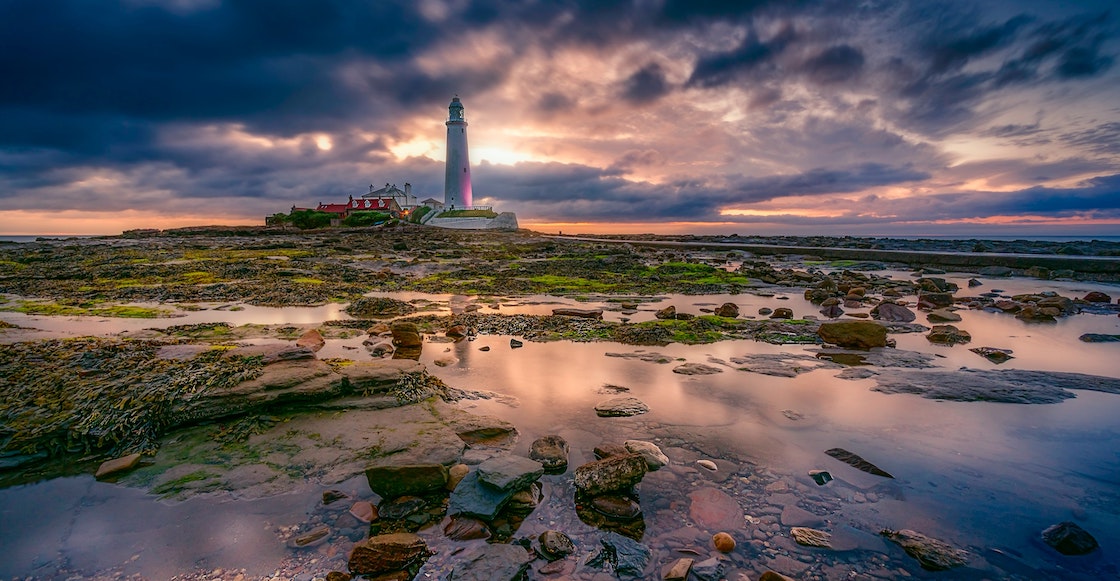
(646, 85)
(835, 64)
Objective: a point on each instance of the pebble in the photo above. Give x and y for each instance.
(707, 464)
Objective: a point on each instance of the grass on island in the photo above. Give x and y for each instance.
(468, 214)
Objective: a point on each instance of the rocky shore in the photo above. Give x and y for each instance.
(252, 411)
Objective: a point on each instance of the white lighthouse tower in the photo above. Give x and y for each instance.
(457, 179)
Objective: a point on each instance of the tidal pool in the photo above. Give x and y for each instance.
(985, 477)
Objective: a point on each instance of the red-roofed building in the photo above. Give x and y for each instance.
(387, 205)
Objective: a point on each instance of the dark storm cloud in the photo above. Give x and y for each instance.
(751, 56)
(835, 64)
(646, 85)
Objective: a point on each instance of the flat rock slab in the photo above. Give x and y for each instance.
(997, 385)
(492, 562)
(510, 472)
(474, 498)
(117, 465)
(582, 313)
(696, 369)
(714, 510)
(612, 474)
(393, 481)
(931, 553)
(621, 407)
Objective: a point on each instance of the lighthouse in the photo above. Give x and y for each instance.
(457, 179)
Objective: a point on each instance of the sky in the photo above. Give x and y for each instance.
(872, 118)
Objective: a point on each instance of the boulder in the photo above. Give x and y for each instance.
(416, 479)
(580, 313)
(474, 498)
(612, 474)
(386, 553)
(628, 557)
(668, 313)
(551, 451)
(948, 335)
(378, 348)
(932, 554)
(312, 339)
(1069, 539)
(456, 331)
(765, 311)
(993, 354)
(1099, 338)
(972, 282)
(491, 562)
(832, 312)
(782, 313)
(621, 407)
(942, 316)
(731, 310)
(854, 334)
(555, 545)
(406, 335)
(510, 472)
(1097, 297)
(927, 300)
(616, 506)
(893, 312)
(649, 451)
(463, 528)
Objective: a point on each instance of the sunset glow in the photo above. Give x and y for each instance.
(740, 116)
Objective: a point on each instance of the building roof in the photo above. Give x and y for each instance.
(333, 208)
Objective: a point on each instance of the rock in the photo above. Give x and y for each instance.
(608, 449)
(972, 282)
(821, 477)
(526, 499)
(581, 313)
(338, 576)
(832, 312)
(932, 554)
(696, 369)
(379, 329)
(942, 316)
(484, 348)
(555, 545)
(551, 451)
(416, 479)
(765, 311)
(668, 313)
(617, 506)
(1034, 314)
(312, 538)
(1006, 385)
(678, 571)
(621, 407)
(455, 475)
(795, 516)
(1069, 539)
(713, 509)
(948, 335)
(1097, 297)
(772, 576)
(649, 451)
(1099, 338)
(456, 331)
(364, 511)
(379, 348)
(491, 562)
(731, 310)
(628, 557)
(515, 344)
(996, 271)
(993, 354)
(312, 340)
(893, 312)
(928, 300)
(854, 334)
(331, 496)
(613, 474)
(400, 508)
(782, 313)
(406, 335)
(510, 472)
(811, 537)
(463, 528)
(707, 464)
(723, 542)
(116, 466)
(856, 461)
(473, 498)
(708, 570)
